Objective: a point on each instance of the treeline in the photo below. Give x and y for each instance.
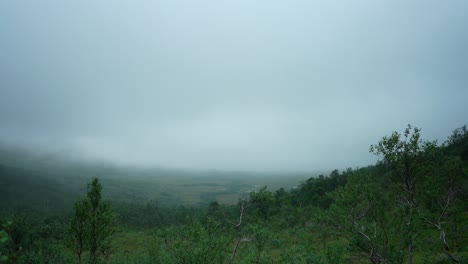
(410, 207)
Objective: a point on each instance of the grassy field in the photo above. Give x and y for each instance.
(40, 182)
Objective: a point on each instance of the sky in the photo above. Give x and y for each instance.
(230, 85)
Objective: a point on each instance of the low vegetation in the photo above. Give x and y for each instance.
(410, 207)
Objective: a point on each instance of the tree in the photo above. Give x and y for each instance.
(409, 160)
(3, 240)
(92, 225)
(78, 228)
(255, 198)
(441, 200)
(206, 243)
(360, 211)
(261, 236)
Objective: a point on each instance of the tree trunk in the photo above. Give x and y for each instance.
(410, 227)
(235, 249)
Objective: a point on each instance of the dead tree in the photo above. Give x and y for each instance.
(255, 198)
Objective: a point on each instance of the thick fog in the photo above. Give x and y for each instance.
(244, 85)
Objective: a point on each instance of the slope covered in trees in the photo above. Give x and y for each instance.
(410, 207)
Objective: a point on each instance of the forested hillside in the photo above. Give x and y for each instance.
(54, 182)
(409, 207)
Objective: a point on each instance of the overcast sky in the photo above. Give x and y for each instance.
(241, 84)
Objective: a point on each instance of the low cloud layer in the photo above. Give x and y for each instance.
(243, 85)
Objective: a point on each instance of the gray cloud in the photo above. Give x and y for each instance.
(250, 85)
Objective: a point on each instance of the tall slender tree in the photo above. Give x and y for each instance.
(78, 228)
(92, 225)
(409, 159)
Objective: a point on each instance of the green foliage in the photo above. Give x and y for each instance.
(299, 254)
(191, 244)
(260, 238)
(335, 254)
(79, 228)
(3, 240)
(415, 195)
(361, 211)
(313, 191)
(92, 225)
(410, 161)
(457, 144)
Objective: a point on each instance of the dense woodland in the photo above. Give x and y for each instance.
(410, 207)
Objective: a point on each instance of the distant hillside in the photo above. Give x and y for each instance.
(51, 182)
